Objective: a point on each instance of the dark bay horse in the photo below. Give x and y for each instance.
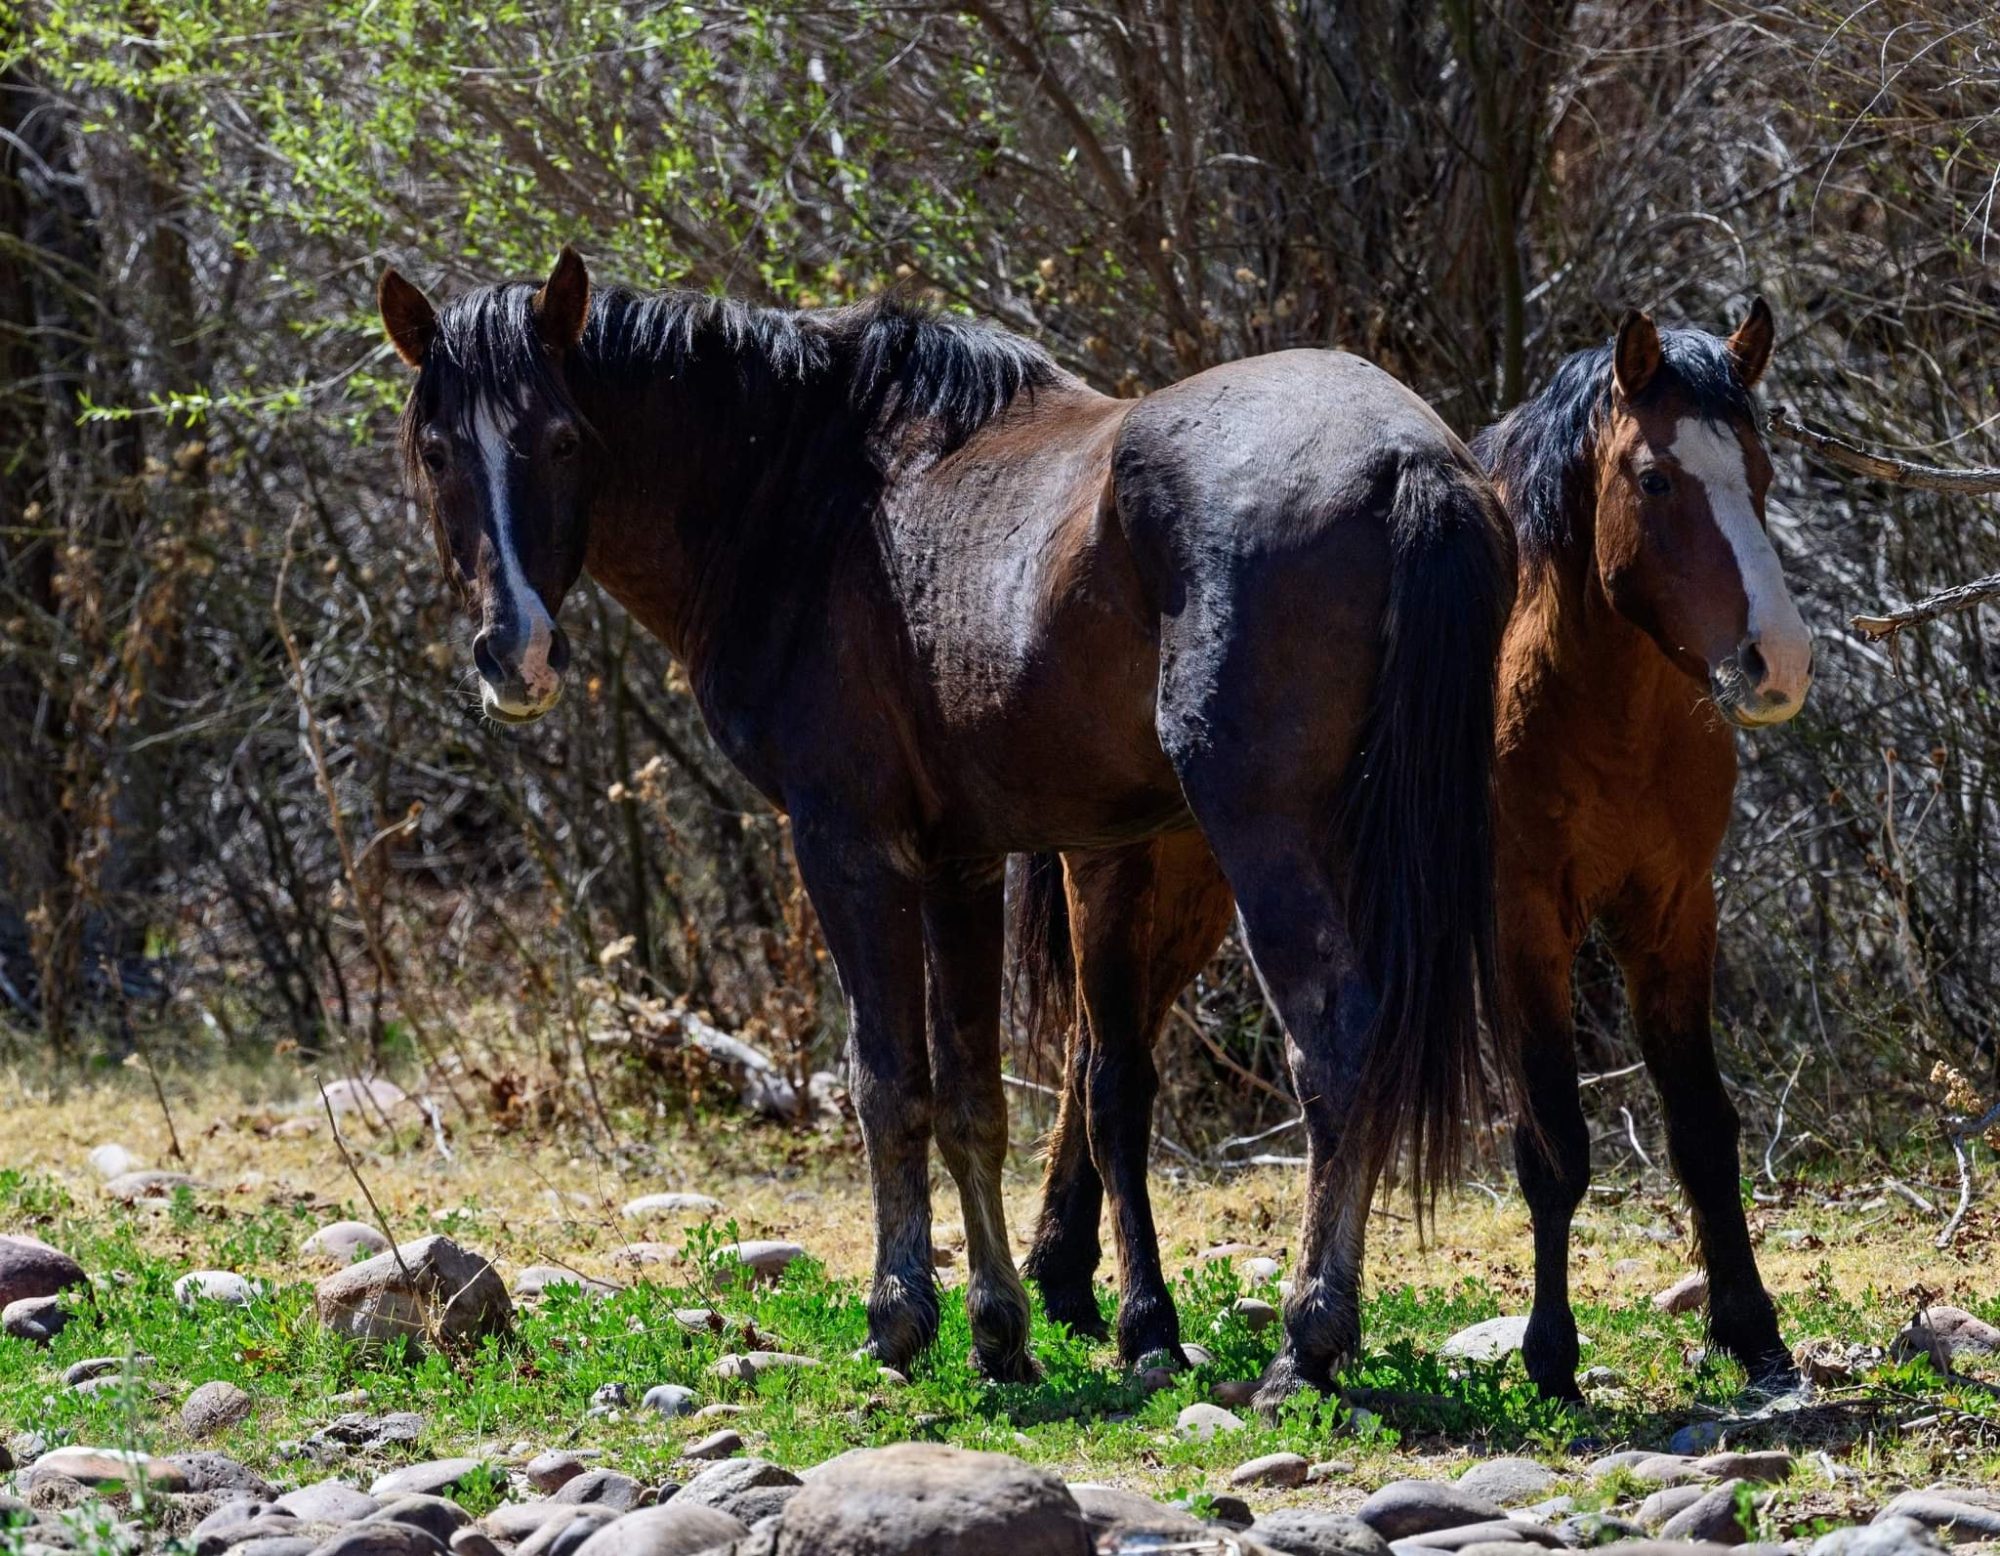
(1636, 482)
(941, 603)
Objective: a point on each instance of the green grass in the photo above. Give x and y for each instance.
(1085, 1413)
(1084, 1416)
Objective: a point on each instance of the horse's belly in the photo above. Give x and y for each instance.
(1067, 757)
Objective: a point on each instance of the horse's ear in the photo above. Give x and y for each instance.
(407, 315)
(1636, 357)
(1750, 346)
(563, 303)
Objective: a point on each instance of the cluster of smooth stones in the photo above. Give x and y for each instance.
(907, 1498)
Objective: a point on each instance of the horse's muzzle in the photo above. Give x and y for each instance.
(1751, 696)
(520, 681)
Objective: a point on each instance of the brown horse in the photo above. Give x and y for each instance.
(1636, 482)
(941, 603)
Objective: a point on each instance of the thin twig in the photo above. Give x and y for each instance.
(1240, 1141)
(1961, 1133)
(117, 982)
(316, 749)
(1974, 481)
(1632, 1134)
(1903, 1191)
(1229, 1064)
(354, 1171)
(1778, 1127)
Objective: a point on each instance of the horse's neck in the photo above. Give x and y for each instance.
(710, 511)
(1572, 661)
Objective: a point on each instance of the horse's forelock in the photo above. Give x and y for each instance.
(1538, 452)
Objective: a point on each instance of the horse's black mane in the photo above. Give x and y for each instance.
(898, 364)
(1541, 446)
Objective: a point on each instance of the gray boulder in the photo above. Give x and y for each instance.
(600, 1488)
(1411, 1507)
(432, 1478)
(1488, 1341)
(561, 1535)
(215, 1407)
(1945, 1334)
(1961, 1515)
(436, 1516)
(106, 1467)
(328, 1502)
(207, 1471)
(38, 1320)
(746, 1489)
(1891, 1535)
(1107, 1508)
(343, 1242)
(1507, 1481)
(1302, 1532)
(926, 1499)
(672, 1529)
(371, 1539)
(1713, 1516)
(429, 1288)
(29, 1267)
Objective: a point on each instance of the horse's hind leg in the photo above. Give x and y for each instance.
(1552, 1143)
(1063, 1260)
(964, 927)
(1144, 920)
(1261, 734)
(1666, 944)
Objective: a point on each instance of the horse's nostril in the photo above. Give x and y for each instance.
(558, 651)
(483, 659)
(1750, 661)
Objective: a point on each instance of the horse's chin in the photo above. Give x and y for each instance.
(504, 712)
(1744, 716)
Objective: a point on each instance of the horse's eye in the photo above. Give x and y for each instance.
(563, 444)
(1654, 483)
(432, 452)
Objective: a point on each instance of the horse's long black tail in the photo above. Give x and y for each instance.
(1415, 818)
(1042, 983)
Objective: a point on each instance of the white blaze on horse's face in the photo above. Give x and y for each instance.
(518, 679)
(1771, 670)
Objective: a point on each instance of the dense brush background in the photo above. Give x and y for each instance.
(246, 801)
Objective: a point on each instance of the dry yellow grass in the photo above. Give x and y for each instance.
(558, 1199)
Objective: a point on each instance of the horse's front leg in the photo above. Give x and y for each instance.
(1666, 946)
(870, 913)
(1551, 1140)
(964, 929)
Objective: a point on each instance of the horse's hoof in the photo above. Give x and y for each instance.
(1012, 1367)
(1149, 1326)
(1165, 1359)
(1777, 1381)
(1559, 1387)
(1282, 1379)
(899, 1333)
(1077, 1309)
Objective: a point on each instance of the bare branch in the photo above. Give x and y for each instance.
(1973, 482)
(1946, 602)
